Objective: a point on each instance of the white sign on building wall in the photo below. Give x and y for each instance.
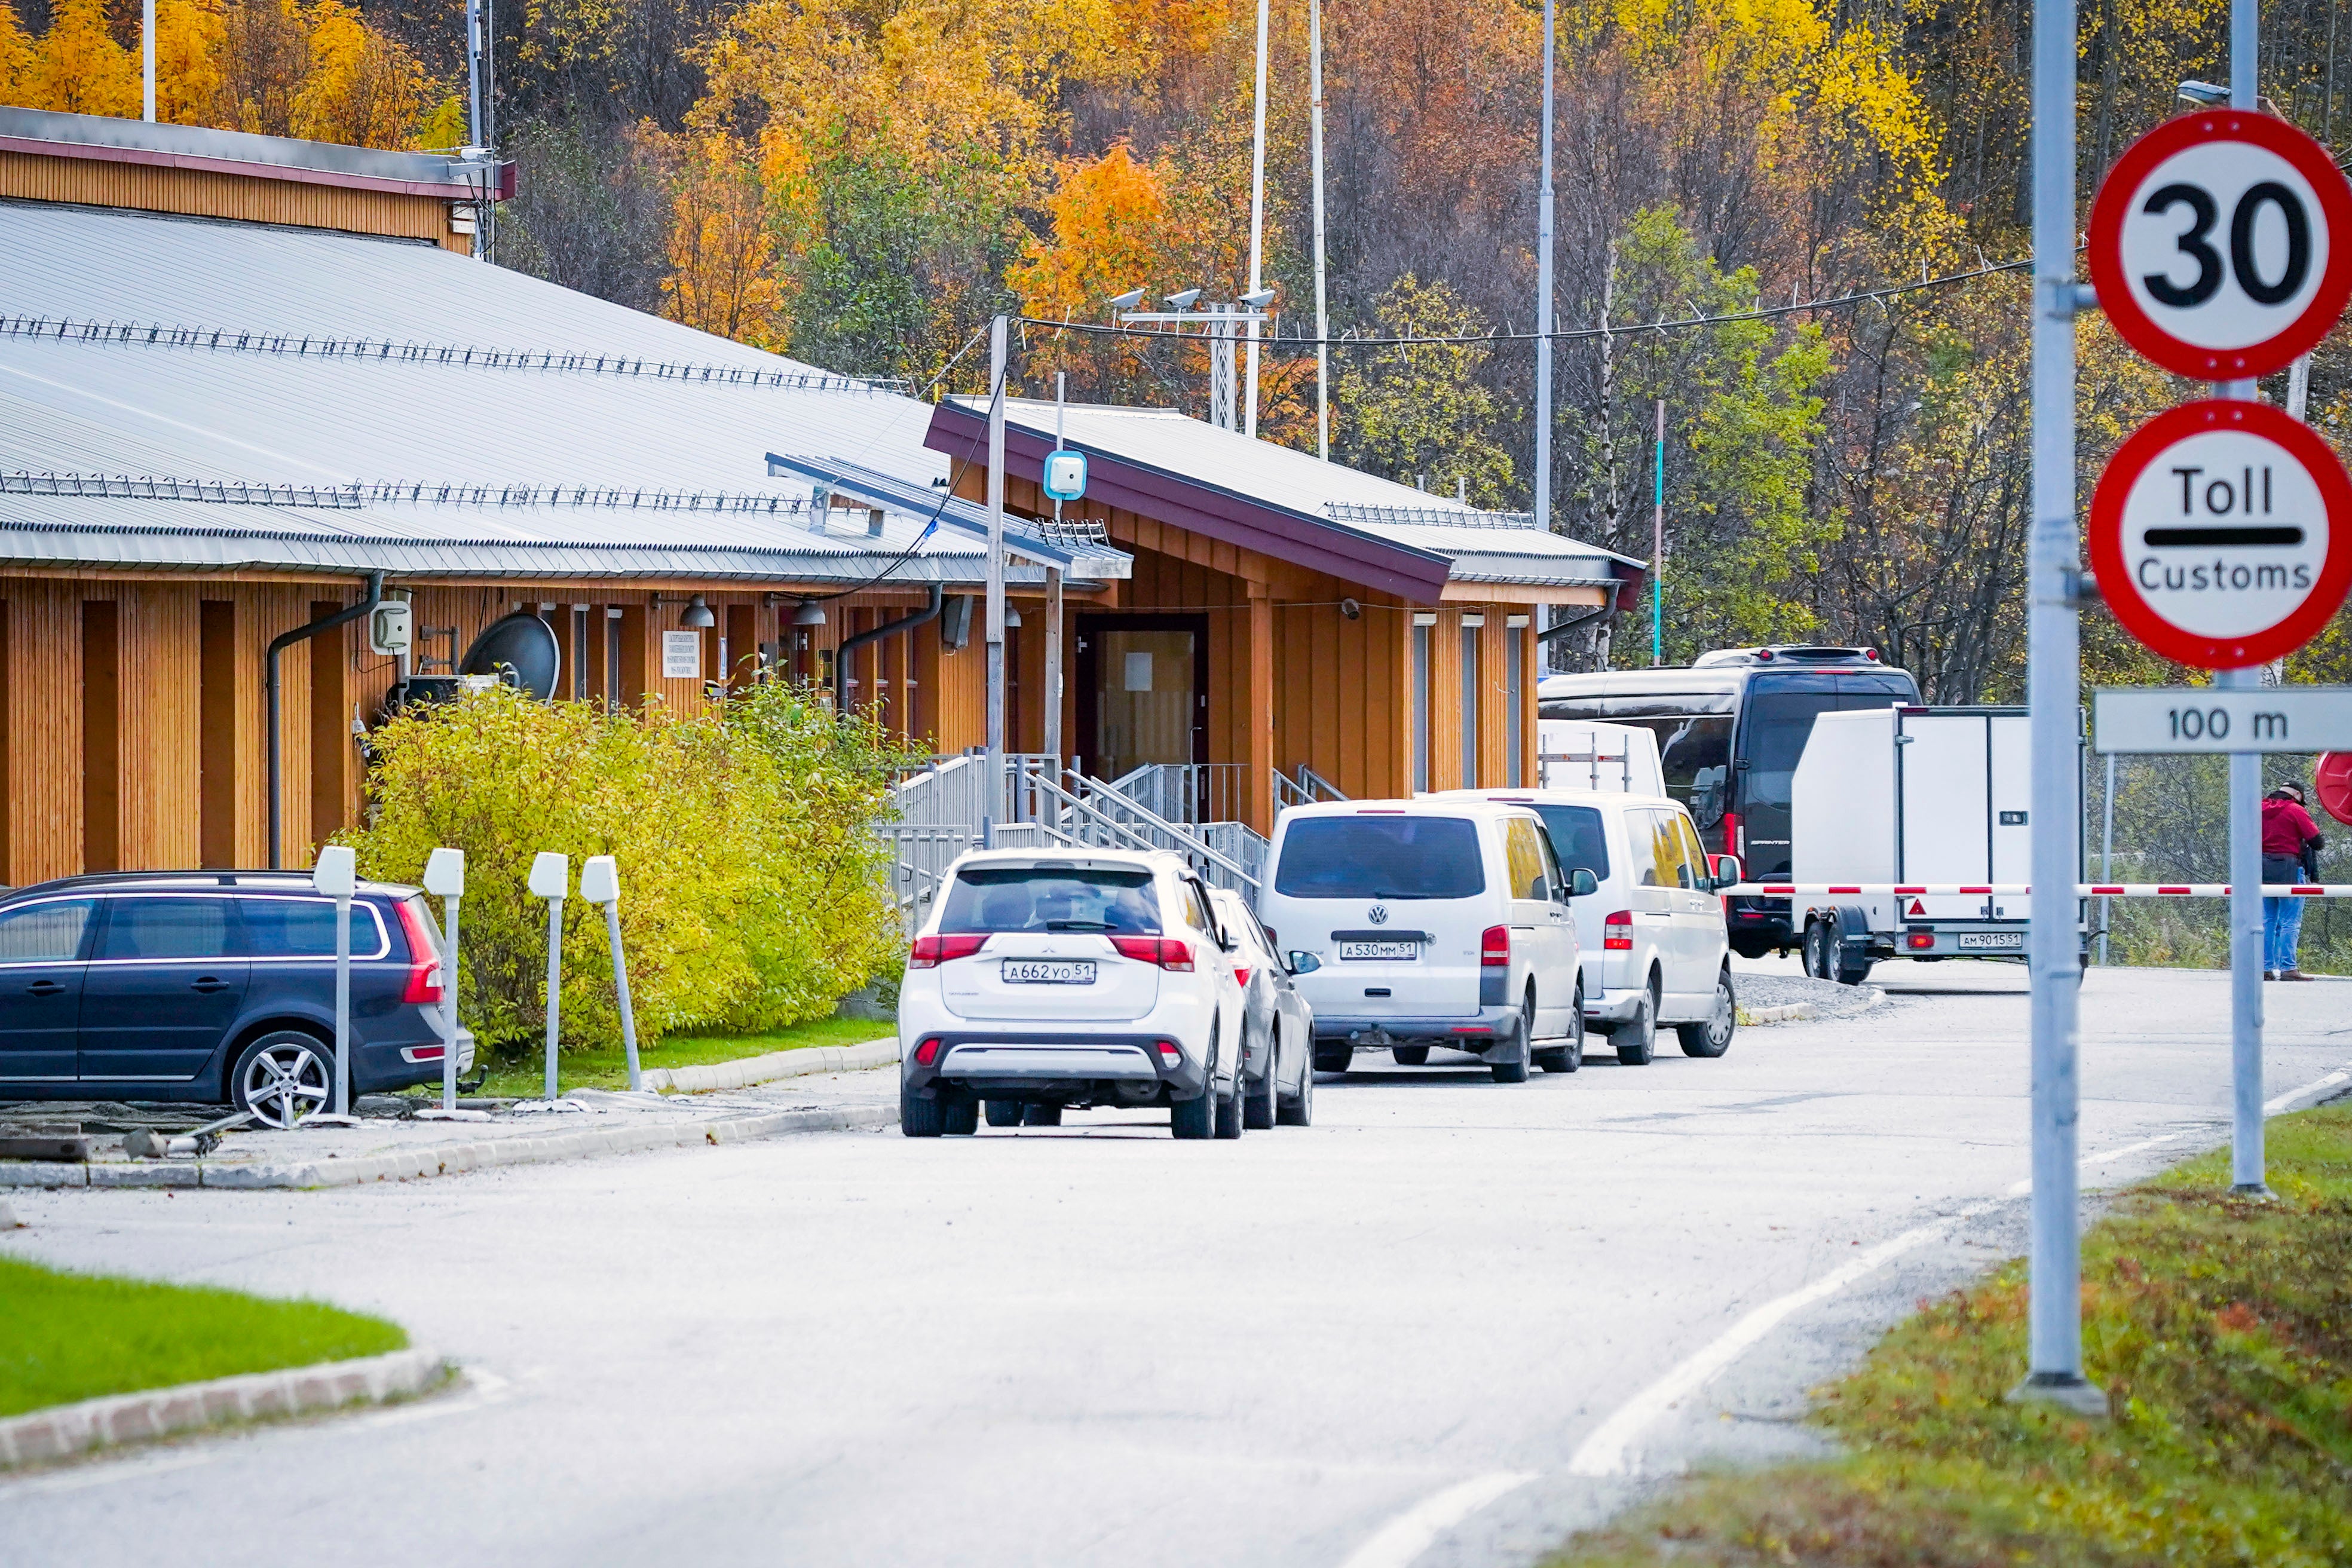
(682, 655)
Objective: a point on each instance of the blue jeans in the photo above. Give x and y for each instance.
(2281, 928)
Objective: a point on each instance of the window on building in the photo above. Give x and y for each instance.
(1473, 628)
(1514, 660)
(1421, 634)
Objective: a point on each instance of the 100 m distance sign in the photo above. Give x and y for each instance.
(2211, 535)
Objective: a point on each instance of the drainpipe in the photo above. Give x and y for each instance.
(929, 611)
(374, 596)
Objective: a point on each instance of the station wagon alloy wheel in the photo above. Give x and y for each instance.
(283, 1078)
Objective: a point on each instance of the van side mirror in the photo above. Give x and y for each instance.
(1302, 962)
(1725, 871)
(1583, 883)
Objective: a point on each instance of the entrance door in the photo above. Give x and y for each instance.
(1143, 684)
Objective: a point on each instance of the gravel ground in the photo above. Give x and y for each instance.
(1830, 999)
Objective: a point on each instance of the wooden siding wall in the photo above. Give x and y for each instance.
(171, 690)
(202, 192)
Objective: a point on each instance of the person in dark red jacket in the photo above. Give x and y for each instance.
(2291, 847)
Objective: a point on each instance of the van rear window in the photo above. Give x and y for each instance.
(1052, 897)
(1382, 858)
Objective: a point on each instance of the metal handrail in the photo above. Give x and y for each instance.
(1178, 840)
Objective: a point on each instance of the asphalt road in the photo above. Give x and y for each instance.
(1093, 1345)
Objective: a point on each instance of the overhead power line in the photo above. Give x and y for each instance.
(1570, 334)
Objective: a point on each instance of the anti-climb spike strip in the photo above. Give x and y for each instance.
(384, 350)
(242, 492)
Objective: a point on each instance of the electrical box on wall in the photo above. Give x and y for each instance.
(1066, 474)
(389, 628)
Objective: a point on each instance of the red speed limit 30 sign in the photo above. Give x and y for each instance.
(2211, 537)
(2221, 245)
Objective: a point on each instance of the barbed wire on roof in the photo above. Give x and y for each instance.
(384, 351)
(1427, 516)
(355, 496)
(1568, 335)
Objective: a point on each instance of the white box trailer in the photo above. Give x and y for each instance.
(1912, 795)
(1592, 754)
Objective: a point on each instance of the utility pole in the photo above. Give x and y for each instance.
(1543, 297)
(1053, 605)
(995, 673)
(474, 134)
(1257, 217)
(2247, 1173)
(1322, 306)
(1658, 545)
(147, 58)
(2053, 688)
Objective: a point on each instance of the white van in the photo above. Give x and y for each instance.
(1655, 948)
(1429, 922)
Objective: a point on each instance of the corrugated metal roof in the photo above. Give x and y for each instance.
(1485, 547)
(129, 409)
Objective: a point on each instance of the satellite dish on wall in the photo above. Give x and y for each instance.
(519, 649)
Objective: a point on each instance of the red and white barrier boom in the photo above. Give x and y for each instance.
(2018, 890)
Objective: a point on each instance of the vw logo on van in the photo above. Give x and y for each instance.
(1377, 914)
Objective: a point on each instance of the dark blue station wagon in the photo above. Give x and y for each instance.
(213, 987)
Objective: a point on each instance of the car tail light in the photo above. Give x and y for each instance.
(1241, 974)
(1495, 947)
(930, 951)
(1170, 1053)
(1920, 938)
(424, 962)
(1870, 655)
(1617, 932)
(927, 1052)
(1763, 655)
(1731, 844)
(1170, 953)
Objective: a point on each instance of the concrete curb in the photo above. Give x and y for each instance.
(70, 1429)
(452, 1159)
(775, 1065)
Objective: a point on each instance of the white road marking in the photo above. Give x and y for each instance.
(2317, 1086)
(1409, 1534)
(1608, 1450)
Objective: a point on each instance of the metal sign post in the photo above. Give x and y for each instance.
(600, 884)
(992, 810)
(2053, 685)
(550, 878)
(336, 875)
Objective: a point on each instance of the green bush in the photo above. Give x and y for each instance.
(754, 892)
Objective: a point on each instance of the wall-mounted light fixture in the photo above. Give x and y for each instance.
(810, 613)
(696, 614)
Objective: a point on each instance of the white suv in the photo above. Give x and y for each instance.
(1655, 947)
(1429, 922)
(1054, 978)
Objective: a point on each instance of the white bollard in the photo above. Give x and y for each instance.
(336, 875)
(600, 884)
(445, 877)
(550, 879)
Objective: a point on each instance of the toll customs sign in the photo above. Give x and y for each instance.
(2220, 245)
(2211, 537)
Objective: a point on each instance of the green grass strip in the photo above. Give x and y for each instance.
(522, 1076)
(2222, 1330)
(66, 1337)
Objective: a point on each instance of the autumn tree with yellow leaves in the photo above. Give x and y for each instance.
(283, 68)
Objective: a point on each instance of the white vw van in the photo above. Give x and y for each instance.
(1655, 948)
(1429, 922)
